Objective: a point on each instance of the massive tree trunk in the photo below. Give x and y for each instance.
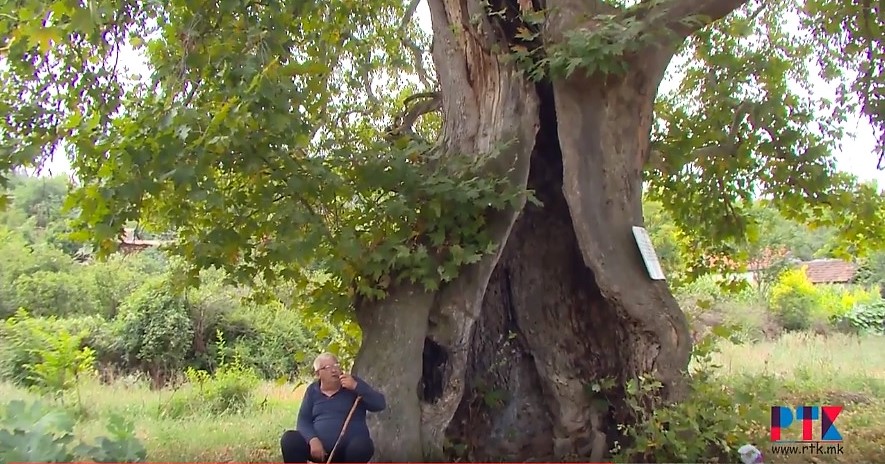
(496, 366)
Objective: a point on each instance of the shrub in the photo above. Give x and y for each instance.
(707, 426)
(155, 328)
(43, 354)
(228, 390)
(279, 342)
(867, 318)
(62, 363)
(46, 293)
(111, 282)
(230, 387)
(37, 432)
(21, 260)
(19, 335)
(794, 299)
(837, 302)
(214, 307)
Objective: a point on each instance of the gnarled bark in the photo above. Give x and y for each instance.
(487, 104)
(497, 364)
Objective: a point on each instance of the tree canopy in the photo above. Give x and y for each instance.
(280, 137)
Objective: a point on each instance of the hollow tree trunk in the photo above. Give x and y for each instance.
(496, 365)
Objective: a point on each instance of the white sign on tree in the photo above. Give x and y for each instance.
(647, 249)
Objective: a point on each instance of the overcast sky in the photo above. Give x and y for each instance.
(855, 156)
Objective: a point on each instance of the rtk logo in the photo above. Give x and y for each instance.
(782, 417)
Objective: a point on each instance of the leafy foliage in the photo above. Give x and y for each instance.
(600, 50)
(258, 138)
(156, 329)
(705, 427)
(226, 390)
(42, 354)
(741, 125)
(794, 299)
(327, 207)
(850, 36)
(37, 432)
(274, 338)
(872, 270)
(799, 304)
(62, 363)
(868, 318)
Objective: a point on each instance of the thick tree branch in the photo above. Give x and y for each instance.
(677, 15)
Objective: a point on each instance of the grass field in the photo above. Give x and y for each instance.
(802, 369)
(797, 369)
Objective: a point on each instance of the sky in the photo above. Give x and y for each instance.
(854, 156)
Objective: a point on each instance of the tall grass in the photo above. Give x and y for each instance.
(794, 369)
(171, 436)
(834, 362)
(807, 369)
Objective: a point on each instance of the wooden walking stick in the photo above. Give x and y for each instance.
(344, 428)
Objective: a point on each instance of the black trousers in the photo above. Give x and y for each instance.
(296, 449)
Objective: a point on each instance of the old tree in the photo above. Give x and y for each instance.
(482, 236)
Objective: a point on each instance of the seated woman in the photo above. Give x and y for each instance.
(324, 409)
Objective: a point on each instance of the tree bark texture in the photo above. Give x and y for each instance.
(496, 366)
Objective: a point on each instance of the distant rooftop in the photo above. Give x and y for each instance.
(829, 271)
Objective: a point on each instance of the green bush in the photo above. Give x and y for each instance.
(21, 260)
(62, 363)
(46, 354)
(46, 281)
(278, 340)
(867, 318)
(19, 334)
(230, 387)
(214, 307)
(794, 300)
(800, 305)
(49, 293)
(837, 302)
(155, 328)
(228, 390)
(111, 282)
(37, 432)
(707, 426)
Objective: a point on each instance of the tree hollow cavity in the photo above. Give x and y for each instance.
(435, 358)
(544, 335)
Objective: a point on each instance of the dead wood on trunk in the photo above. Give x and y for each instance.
(545, 334)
